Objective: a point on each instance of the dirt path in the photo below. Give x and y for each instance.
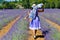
(39, 35)
(8, 27)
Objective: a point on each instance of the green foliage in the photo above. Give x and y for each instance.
(28, 3)
(58, 5)
(8, 5)
(52, 5)
(47, 3)
(1, 6)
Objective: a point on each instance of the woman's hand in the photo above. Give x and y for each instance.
(30, 19)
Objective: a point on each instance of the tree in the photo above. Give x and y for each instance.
(53, 5)
(58, 5)
(47, 5)
(8, 5)
(26, 3)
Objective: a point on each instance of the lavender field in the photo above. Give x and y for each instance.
(19, 30)
(52, 14)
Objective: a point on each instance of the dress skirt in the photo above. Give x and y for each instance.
(35, 24)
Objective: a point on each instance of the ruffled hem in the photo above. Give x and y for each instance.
(34, 28)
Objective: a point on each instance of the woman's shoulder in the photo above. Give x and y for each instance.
(40, 5)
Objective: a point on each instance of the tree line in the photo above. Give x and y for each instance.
(27, 4)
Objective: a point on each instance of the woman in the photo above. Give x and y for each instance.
(34, 21)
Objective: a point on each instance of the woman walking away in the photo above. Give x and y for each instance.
(34, 21)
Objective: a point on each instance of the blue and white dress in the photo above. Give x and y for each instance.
(35, 23)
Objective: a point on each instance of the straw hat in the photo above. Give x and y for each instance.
(33, 5)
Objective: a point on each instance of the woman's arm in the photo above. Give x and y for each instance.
(41, 10)
(27, 17)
